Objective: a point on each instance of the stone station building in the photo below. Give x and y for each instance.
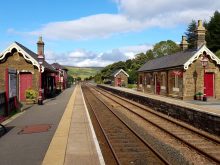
(20, 70)
(182, 75)
(119, 78)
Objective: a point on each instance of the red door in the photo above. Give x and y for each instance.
(119, 82)
(209, 84)
(25, 82)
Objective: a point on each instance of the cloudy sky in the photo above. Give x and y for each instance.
(97, 32)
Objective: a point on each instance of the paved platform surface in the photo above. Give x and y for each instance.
(211, 107)
(74, 141)
(17, 148)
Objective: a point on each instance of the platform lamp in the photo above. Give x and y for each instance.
(204, 62)
(40, 97)
(195, 75)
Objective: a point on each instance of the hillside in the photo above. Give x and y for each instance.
(83, 72)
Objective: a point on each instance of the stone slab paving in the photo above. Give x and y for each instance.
(211, 107)
(30, 149)
(74, 141)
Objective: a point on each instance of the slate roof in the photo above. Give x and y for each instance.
(34, 55)
(58, 66)
(116, 71)
(175, 60)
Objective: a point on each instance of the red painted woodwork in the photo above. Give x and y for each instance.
(6, 90)
(25, 82)
(158, 88)
(209, 84)
(119, 82)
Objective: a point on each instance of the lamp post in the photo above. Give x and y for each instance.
(40, 97)
(204, 62)
(195, 75)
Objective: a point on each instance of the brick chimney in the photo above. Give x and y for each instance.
(200, 35)
(40, 46)
(184, 44)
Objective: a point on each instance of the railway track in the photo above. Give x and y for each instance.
(127, 146)
(206, 145)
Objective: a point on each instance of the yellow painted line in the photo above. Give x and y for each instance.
(56, 152)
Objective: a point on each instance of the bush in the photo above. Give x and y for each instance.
(132, 86)
(31, 94)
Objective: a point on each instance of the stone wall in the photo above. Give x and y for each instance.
(124, 79)
(166, 85)
(201, 120)
(17, 61)
(193, 86)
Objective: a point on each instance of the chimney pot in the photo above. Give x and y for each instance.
(184, 43)
(200, 35)
(40, 47)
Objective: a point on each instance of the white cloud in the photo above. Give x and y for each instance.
(101, 25)
(86, 58)
(142, 9)
(132, 16)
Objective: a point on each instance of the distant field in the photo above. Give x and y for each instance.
(82, 72)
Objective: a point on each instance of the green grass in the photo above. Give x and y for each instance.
(82, 72)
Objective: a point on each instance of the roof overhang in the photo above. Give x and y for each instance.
(23, 52)
(121, 70)
(198, 53)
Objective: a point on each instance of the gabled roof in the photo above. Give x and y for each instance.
(180, 59)
(28, 55)
(58, 66)
(116, 72)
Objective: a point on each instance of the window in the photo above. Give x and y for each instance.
(176, 81)
(148, 78)
(163, 79)
(140, 80)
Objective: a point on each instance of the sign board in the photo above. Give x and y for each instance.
(12, 85)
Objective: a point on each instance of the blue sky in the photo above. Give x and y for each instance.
(97, 32)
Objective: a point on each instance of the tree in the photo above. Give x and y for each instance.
(70, 79)
(78, 79)
(190, 34)
(213, 32)
(131, 66)
(218, 53)
(164, 48)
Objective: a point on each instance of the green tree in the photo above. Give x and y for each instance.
(213, 32)
(131, 66)
(164, 48)
(78, 78)
(190, 34)
(218, 53)
(70, 79)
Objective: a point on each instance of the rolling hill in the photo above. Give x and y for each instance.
(83, 72)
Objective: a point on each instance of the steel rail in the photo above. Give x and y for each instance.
(134, 132)
(168, 132)
(102, 129)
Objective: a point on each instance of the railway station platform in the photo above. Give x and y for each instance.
(207, 107)
(74, 141)
(203, 115)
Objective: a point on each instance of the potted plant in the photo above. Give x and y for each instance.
(199, 95)
(31, 96)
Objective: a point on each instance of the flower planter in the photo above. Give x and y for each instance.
(30, 101)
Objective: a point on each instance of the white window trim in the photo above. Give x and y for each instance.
(163, 87)
(176, 89)
(176, 81)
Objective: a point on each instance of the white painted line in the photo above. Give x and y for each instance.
(100, 156)
(12, 118)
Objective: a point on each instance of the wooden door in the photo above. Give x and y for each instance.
(119, 82)
(209, 84)
(25, 82)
